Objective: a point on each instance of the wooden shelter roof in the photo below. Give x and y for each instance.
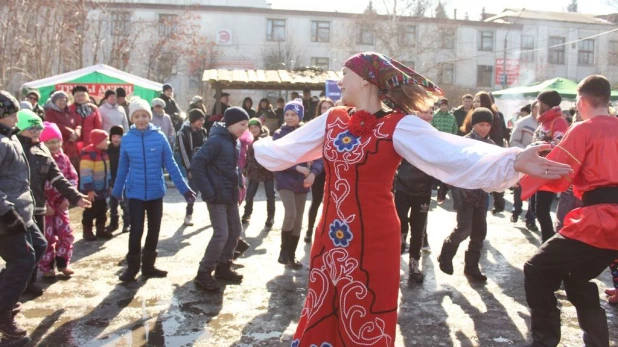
(269, 79)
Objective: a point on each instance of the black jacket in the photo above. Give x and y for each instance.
(114, 158)
(189, 141)
(214, 167)
(171, 108)
(460, 115)
(498, 132)
(412, 181)
(43, 168)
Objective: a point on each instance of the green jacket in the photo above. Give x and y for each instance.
(445, 122)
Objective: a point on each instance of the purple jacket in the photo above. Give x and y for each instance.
(290, 178)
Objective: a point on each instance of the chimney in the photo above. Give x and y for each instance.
(455, 14)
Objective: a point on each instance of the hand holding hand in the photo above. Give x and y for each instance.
(190, 196)
(308, 182)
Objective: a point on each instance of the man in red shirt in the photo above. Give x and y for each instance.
(587, 243)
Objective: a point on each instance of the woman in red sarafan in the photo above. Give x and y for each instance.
(354, 271)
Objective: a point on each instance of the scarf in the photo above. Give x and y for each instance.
(84, 110)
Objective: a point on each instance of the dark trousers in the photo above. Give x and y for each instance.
(113, 210)
(499, 203)
(412, 212)
(317, 195)
(574, 263)
(269, 189)
(97, 212)
(442, 190)
(21, 252)
(194, 188)
(472, 223)
(544, 201)
(226, 226)
(518, 205)
(138, 209)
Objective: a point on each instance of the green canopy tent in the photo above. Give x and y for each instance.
(98, 79)
(566, 88)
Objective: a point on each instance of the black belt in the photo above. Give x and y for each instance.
(601, 195)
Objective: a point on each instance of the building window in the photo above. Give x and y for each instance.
(323, 63)
(556, 50)
(409, 64)
(167, 24)
(527, 44)
(275, 30)
(365, 36)
(320, 31)
(613, 53)
(448, 38)
(121, 23)
(486, 41)
(585, 55)
(445, 74)
(484, 75)
(407, 35)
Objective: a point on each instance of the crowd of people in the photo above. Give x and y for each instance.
(113, 158)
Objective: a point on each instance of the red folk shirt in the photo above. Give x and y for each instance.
(591, 149)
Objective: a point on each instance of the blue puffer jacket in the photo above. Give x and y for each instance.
(289, 178)
(143, 155)
(214, 167)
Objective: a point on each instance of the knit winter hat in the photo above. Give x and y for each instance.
(57, 95)
(296, 106)
(255, 121)
(196, 114)
(235, 115)
(25, 105)
(550, 98)
(8, 104)
(27, 119)
(98, 135)
(158, 102)
(50, 132)
(167, 86)
(108, 93)
(115, 130)
(195, 99)
(482, 115)
(35, 93)
(138, 104)
(120, 92)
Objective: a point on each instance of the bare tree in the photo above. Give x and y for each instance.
(282, 55)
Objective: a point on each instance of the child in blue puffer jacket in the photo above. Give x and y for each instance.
(144, 152)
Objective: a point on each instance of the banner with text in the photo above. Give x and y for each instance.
(510, 70)
(95, 89)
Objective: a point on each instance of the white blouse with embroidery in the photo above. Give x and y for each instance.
(454, 160)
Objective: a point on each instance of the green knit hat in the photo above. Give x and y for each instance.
(255, 121)
(27, 119)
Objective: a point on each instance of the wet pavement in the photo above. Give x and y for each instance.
(94, 309)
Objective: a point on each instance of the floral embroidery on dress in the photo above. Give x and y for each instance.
(296, 343)
(340, 233)
(346, 142)
(362, 123)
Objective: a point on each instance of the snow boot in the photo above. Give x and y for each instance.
(32, 287)
(446, 256)
(148, 265)
(225, 272)
(471, 268)
(270, 211)
(88, 235)
(283, 253)
(292, 245)
(133, 266)
(205, 280)
(9, 327)
(416, 275)
(113, 224)
(102, 233)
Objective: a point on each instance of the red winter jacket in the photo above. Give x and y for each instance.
(89, 123)
(68, 124)
(552, 127)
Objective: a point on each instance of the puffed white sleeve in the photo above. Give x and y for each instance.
(455, 160)
(302, 145)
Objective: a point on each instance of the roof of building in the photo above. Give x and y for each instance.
(269, 79)
(572, 17)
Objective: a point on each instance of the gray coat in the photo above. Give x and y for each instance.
(14, 179)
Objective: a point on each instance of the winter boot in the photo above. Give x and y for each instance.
(126, 228)
(133, 265)
(8, 325)
(241, 247)
(32, 287)
(205, 280)
(309, 235)
(17, 308)
(88, 235)
(471, 268)
(283, 254)
(102, 233)
(594, 324)
(446, 256)
(148, 265)
(292, 245)
(225, 272)
(545, 327)
(113, 225)
(270, 210)
(188, 220)
(416, 276)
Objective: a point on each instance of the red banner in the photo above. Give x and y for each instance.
(96, 90)
(511, 71)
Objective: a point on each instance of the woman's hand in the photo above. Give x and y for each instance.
(303, 170)
(308, 182)
(529, 162)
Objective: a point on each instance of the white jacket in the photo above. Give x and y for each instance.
(113, 115)
(523, 132)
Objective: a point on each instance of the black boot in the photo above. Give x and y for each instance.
(126, 228)
(113, 224)
(32, 287)
(205, 280)
(102, 233)
(270, 211)
(283, 254)
(225, 272)
(241, 247)
(88, 235)
(9, 327)
(133, 265)
(594, 324)
(148, 265)
(292, 245)
(446, 256)
(309, 235)
(471, 268)
(545, 327)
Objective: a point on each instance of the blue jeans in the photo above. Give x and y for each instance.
(21, 253)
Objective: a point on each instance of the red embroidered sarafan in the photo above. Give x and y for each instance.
(354, 273)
